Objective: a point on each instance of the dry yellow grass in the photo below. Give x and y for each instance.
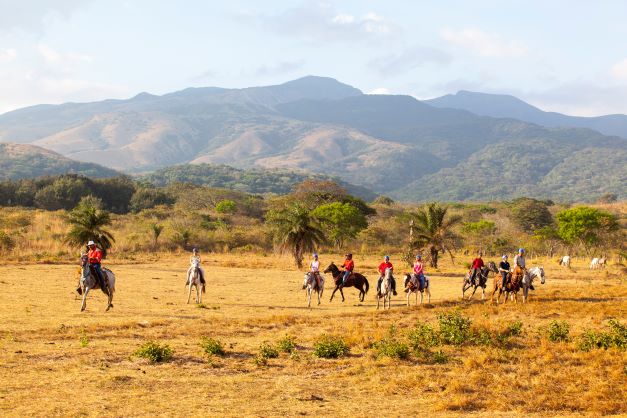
(46, 370)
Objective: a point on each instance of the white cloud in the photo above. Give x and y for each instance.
(54, 57)
(343, 19)
(409, 59)
(380, 90)
(32, 15)
(484, 44)
(7, 55)
(619, 70)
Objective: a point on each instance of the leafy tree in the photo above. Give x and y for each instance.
(383, 200)
(341, 220)
(226, 206)
(530, 214)
(295, 230)
(584, 224)
(549, 238)
(481, 231)
(434, 229)
(145, 198)
(64, 193)
(88, 222)
(115, 192)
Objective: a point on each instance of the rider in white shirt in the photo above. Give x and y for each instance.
(314, 268)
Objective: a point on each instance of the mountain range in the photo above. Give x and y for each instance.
(456, 147)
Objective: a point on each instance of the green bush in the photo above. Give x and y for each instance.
(454, 328)
(155, 352)
(226, 206)
(212, 347)
(267, 351)
(514, 329)
(391, 347)
(558, 331)
(590, 340)
(423, 335)
(6, 241)
(619, 334)
(286, 344)
(328, 346)
(482, 337)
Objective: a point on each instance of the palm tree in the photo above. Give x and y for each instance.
(434, 230)
(88, 223)
(295, 231)
(156, 230)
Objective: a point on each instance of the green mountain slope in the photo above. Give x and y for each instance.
(19, 161)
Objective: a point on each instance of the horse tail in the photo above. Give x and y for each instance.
(367, 285)
(203, 288)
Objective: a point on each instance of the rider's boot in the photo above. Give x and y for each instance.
(394, 287)
(379, 285)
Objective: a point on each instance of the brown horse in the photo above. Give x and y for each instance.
(514, 284)
(354, 280)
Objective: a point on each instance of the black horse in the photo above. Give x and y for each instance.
(354, 280)
(480, 281)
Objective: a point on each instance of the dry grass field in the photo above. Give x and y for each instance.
(58, 361)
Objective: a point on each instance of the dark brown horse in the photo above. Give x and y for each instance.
(354, 280)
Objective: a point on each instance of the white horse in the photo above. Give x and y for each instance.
(194, 279)
(598, 263)
(386, 289)
(565, 261)
(309, 283)
(415, 288)
(527, 280)
(88, 281)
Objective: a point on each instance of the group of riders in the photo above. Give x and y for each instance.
(94, 258)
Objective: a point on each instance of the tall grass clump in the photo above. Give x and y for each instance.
(558, 331)
(423, 336)
(212, 347)
(329, 346)
(454, 328)
(286, 344)
(266, 351)
(154, 352)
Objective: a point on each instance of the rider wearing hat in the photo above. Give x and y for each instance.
(519, 265)
(382, 267)
(348, 266)
(314, 268)
(94, 257)
(477, 265)
(419, 272)
(504, 269)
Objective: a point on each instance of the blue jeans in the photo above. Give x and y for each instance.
(98, 269)
(504, 276)
(346, 274)
(421, 279)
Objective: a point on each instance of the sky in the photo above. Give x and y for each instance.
(568, 56)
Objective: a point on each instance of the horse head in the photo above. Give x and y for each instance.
(492, 267)
(83, 260)
(332, 269)
(407, 278)
(308, 278)
(542, 277)
(388, 273)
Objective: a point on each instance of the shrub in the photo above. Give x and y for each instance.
(590, 340)
(558, 331)
(391, 347)
(84, 340)
(454, 328)
(619, 334)
(514, 329)
(482, 337)
(286, 344)
(328, 346)
(423, 335)
(155, 352)
(226, 206)
(212, 347)
(440, 357)
(6, 241)
(267, 351)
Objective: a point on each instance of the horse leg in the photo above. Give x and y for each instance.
(342, 293)
(198, 294)
(378, 300)
(110, 298)
(428, 295)
(473, 293)
(189, 293)
(408, 293)
(84, 303)
(483, 293)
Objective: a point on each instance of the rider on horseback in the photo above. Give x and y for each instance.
(519, 265)
(314, 268)
(349, 266)
(419, 273)
(195, 258)
(477, 265)
(94, 257)
(504, 269)
(382, 267)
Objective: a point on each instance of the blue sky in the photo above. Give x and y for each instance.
(566, 56)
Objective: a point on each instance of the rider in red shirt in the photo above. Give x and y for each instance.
(477, 265)
(94, 257)
(382, 267)
(349, 266)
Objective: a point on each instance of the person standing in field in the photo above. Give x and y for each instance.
(314, 268)
(348, 266)
(195, 257)
(382, 267)
(476, 266)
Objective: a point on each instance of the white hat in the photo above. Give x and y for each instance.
(91, 243)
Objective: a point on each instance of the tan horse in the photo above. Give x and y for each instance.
(514, 284)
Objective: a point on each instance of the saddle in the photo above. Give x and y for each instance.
(339, 278)
(414, 283)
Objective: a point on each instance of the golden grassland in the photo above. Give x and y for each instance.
(58, 361)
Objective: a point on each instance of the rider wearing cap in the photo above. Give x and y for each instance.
(94, 257)
(504, 269)
(419, 272)
(348, 266)
(195, 257)
(477, 265)
(314, 268)
(519, 265)
(382, 267)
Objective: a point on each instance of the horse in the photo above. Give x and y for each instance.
(385, 292)
(598, 263)
(482, 282)
(527, 280)
(88, 281)
(564, 261)
(194, 280)
(310, 283)
(411, 287)
(514, 284)
(354, 280)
